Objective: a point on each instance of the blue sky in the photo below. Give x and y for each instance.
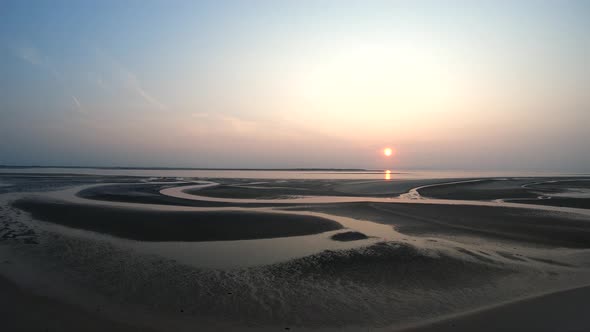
(447, 84)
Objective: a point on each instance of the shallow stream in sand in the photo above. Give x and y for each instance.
(255, 252)
(412, 197)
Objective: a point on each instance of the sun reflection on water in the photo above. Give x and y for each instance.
(387, 175)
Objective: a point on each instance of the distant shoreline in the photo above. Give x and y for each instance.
(200, 168)
(295, 169)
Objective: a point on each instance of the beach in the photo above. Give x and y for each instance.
(129, 253)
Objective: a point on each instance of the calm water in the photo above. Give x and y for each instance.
(285, 174)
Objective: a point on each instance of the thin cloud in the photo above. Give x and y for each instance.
(239, 125)
(33, 56)
(77, 102)
(227, 123)
(132, 82)
(30, 55)
(136, 85)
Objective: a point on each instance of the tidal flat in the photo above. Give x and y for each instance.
(126, 253)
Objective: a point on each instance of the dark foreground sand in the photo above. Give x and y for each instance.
(153, 225)
(565, 311)
(20, 310)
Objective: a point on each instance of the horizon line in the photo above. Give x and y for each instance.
(200, 168)
(332, 169)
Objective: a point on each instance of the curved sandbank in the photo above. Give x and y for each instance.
(182, 193)
(494, 221)
(148, 193)
(258, 192)
(549, 229)
(482, 189)
(291, 188)
(154, 225)
(503, 221)
(568, 192)
(198, 195)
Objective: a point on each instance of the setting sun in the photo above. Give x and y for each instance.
(387, 152)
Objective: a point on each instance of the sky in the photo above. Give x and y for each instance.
(487, 85)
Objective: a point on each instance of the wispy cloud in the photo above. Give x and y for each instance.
(239, 125)
(77, 102)
(223, 122)
(131, 81)
(135, 84)
(32, 55)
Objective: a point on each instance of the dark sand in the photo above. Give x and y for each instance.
(517, 190)
(349, 236)
(499, 223)
(144, 193)
(22, 311)
(486, 189)
(332, 288)
(565, 311)
(153, 225)
(397, 265)
(579, 183)
(580, 203)
(549, 229)
(278, 190)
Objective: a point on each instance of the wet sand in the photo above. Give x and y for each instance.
(486, 189)
(564, 192)
(153, 225)
(21, 310)
(565, 311)
(495, 223)
(580, 203)
(142, 193)
(445, 261)
(290, 188)
(237, 188)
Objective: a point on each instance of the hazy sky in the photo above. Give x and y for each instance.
(459, 85)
